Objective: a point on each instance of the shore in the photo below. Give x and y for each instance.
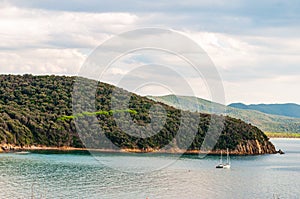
(13, 148)
(282, 135)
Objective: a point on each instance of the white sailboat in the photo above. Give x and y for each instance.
(227, 165)
(220, 165)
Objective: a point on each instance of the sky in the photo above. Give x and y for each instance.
(254, 45)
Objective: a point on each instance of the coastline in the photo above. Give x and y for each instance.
(13, 148)
(283, 138)
(283, 135)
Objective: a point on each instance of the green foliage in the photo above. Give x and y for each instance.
(266, 122)
(111, 112)
(37, 110)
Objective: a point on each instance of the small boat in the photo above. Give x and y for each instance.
(227, 165)
(220, 165)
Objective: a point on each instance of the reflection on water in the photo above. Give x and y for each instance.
(79, 175)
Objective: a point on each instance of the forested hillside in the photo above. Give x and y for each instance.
(32, 108)
(266, 122)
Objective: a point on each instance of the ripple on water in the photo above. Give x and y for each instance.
(81, 176)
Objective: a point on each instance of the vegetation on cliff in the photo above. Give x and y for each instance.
(37, 110)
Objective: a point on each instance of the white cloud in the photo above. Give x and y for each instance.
(256, 60)
(39, 41)
(42, 61)
(38, 28)
(254, 69)
(254, 56)
(265, 90)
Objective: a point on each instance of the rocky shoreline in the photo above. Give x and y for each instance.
(251, 147)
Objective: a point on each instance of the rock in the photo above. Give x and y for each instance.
(254, 147)
(280, 152)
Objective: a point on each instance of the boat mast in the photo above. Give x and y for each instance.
(227, 156)
(221, 159)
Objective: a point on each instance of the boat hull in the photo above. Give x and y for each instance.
(220, 166)
(226, 166)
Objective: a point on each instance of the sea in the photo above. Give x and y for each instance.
(80, 174)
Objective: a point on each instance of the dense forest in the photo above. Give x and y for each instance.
(37, 110)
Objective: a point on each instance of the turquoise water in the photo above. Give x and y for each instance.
(112, 175)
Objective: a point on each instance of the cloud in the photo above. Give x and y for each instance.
(33, 28)
(244, 58)
(279, 89)
(42, 61)
(233, 16)
(254, 44)
(129, 6)
(41, 41)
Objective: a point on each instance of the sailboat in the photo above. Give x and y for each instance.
(227, 165)
(220, 165)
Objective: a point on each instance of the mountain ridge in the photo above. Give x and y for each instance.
(266, 122)
(285, 109)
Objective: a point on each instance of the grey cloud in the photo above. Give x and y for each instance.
(261, 11)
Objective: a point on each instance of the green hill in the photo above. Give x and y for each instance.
(289, 109)
(266, 122)
(37, 110)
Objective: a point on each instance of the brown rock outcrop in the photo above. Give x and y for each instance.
(254, 147)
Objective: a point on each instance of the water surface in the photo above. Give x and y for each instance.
(128, 176)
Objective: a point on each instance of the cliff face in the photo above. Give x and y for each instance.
(30, 108)
(254, 147)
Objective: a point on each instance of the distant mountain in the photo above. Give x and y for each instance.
(289, 110)
(266, 122)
